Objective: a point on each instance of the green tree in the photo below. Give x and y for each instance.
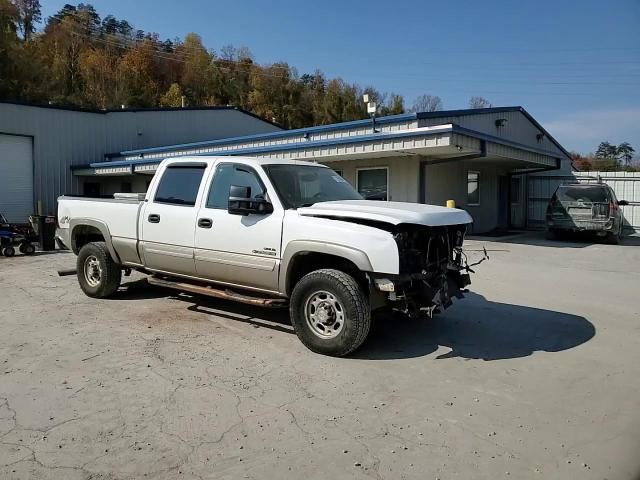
(606, 150)
(29, 14)
(172, 97)
(198, 71)
(625, 151)
(8, 48)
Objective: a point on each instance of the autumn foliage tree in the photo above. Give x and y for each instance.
(81, 59)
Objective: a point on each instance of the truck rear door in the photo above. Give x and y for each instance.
(169, 218)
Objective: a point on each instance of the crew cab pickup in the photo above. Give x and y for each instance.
(271, 233)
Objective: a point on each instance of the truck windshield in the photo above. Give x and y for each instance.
(595, 194)
(303, 185)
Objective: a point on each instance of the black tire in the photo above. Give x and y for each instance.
(27, 248)
(552, 234)
(8, 251)
(105, 283)
(353, 308)
(613, 238)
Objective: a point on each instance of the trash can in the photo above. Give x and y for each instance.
(44, 227)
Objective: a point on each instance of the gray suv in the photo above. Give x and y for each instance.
(591, 208)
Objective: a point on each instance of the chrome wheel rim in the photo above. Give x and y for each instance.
(92, 271)
(324, 314)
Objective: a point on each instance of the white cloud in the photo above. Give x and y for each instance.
(583, 131)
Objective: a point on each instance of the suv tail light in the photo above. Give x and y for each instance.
(612, 209)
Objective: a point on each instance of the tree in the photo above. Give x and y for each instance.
(172, 97)
(625, 151)
(479, 102)
(137, 76)
(427, 103)
(606, 150)
(99, 75)
(394, 105)
(198, 72)
(28, 15)
(8, 48)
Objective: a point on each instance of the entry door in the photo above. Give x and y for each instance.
(169, 220)
(238, 249)
(503, 202)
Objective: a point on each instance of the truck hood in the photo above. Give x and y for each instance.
(394, 213)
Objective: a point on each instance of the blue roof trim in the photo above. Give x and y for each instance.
(287, 146)
(331, 142)
(271, 135)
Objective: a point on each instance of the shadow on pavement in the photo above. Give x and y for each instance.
(475, 328)
(576, 240)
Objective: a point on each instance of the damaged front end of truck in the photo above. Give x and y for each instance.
(433, 269)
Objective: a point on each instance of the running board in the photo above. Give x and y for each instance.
(217, 293)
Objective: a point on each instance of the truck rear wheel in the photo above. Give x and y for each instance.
(99, 276)
(330, 313)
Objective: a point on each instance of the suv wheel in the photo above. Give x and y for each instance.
(330, 313)
(99, 276)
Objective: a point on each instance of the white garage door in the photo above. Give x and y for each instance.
(16, 177)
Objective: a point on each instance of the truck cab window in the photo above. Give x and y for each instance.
(228, 174)
(179, 185)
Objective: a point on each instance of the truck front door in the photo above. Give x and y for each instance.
(238, 249)
(169, 219)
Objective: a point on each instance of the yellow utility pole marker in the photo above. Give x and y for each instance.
(451, 204)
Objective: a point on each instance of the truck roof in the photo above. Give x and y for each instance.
(246, 160)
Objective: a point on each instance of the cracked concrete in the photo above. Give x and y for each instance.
(535, 373)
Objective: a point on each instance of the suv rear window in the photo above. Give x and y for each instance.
(179, 185)
(595, 194)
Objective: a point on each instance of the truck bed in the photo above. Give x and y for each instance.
(120, 213)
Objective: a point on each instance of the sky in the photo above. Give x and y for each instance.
(573, 64)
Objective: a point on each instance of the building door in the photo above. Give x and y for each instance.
(503, 202)
(16, 177)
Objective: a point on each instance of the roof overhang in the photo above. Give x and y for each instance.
(434, 143)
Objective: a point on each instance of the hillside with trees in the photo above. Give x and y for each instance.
(84, 60)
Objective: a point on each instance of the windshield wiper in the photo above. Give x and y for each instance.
(307, 205)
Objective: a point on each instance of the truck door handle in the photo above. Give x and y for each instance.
(205, 223)
(154, 218)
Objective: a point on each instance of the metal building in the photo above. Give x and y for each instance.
(476, 157)
(40, 144)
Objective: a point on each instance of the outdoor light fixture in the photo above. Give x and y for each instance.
(371, 110)
(501, 122)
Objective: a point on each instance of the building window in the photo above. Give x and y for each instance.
(473, 188)
(372, 183)
(125, 187)
(515, 189)
(179, 185)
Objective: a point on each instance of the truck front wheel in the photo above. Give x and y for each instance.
(99, 276)
(330, 313)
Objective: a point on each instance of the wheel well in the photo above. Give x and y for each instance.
(83, 234)
(306, 262)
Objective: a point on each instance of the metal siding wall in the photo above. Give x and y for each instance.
(518, 128)
(63, 138)
(626, 186)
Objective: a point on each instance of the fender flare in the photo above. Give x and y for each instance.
(297, 247)
(100, 226)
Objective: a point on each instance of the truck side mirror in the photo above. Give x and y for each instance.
(241, 203)
(623, 203)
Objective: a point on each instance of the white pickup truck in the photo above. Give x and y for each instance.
(270, 233)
